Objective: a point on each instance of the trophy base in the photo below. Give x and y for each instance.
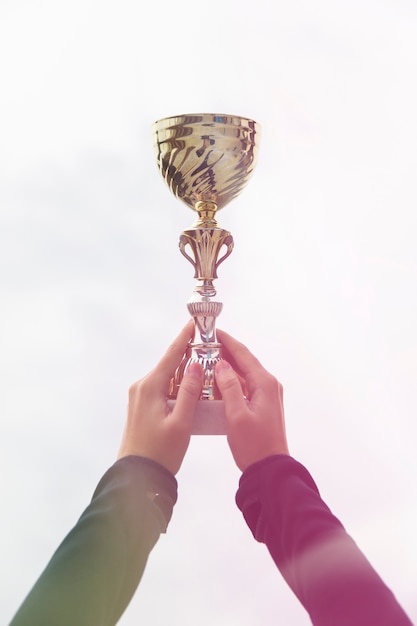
(210, 418)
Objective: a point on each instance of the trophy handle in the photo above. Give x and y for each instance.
(205, 244)
(181, 244)
(228, 242)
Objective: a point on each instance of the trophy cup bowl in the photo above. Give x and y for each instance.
(206, 160)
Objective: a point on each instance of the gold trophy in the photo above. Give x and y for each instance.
(206, 160)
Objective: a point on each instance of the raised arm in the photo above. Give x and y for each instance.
(283, 508)
(92, 576)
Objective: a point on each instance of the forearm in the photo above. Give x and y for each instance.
(95, 571)
(320, 562)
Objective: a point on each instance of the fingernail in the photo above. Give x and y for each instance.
(194, 369)
(222, 365)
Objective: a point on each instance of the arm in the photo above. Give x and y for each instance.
(283, 508)
(95, 571)
(320, 562)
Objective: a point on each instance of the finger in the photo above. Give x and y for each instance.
(166, 367)
(189, 393)
(230, 388)
(243, 359)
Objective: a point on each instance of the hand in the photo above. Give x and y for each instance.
(256, 426)
(151, 429)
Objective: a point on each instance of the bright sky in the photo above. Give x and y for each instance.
(322, 284)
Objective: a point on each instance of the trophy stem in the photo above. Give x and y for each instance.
(203, 349)
(206, 244)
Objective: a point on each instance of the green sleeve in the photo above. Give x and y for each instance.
(93, 575)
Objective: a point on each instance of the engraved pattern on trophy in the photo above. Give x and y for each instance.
(206, 160)
(206, 157)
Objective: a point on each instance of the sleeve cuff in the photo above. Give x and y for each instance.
(146, 476)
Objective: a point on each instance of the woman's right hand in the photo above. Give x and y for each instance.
(255, 424)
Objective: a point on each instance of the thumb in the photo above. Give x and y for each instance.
(189, 393)
(230, 388)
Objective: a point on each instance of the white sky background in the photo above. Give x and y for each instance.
(321, 285)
